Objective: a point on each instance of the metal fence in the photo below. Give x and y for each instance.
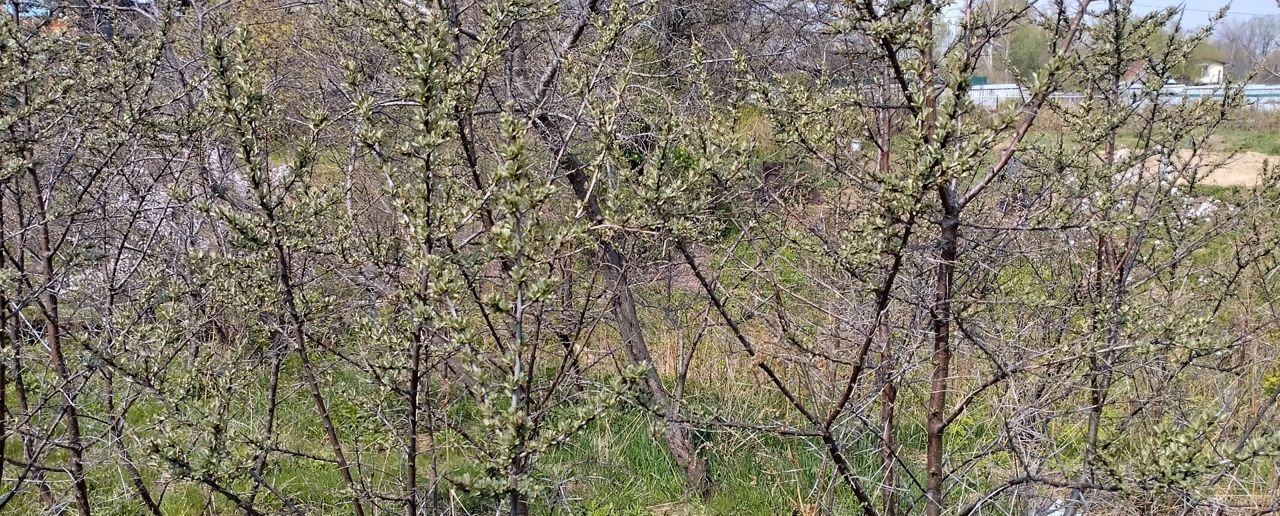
(1261, 97)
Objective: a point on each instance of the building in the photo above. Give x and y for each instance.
(1212, 72)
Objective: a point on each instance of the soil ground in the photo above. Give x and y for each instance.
(1242, 169)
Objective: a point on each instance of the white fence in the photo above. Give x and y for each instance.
(990, 96)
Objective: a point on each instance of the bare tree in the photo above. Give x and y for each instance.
(1249, 45)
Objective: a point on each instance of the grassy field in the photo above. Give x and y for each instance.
(1263, 141)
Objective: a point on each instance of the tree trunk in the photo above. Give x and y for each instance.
(888, 442)
(519, 505)
(678, 437)
(48, 302)
(941, 315)
(677, 433)
(884, 372)
(411, 432)
(309, 375)
(30, 449)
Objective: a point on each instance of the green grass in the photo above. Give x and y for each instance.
(1229, 139)
(1263, 141)
(620, 466)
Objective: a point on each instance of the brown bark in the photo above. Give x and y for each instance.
(4, 373)
(941, 322)
(888, 442)
(308, 371)
(884, 372)
(411, 432)
(677, 434)
(834, 450)
(48, 302)
(117, 437)
(30, 450)
(519, 505)
(273, 391)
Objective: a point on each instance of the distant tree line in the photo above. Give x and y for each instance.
(1248, 46)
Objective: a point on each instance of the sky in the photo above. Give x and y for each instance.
(1199, 11)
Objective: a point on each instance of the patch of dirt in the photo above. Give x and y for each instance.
(1242, 169)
